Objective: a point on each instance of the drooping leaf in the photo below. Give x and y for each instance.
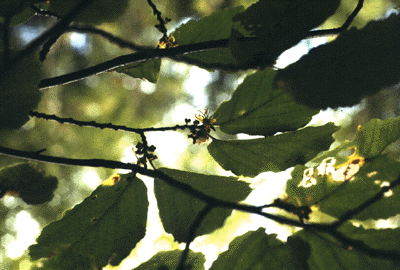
(18, 92)
(328, 253)
(214, 27)
(169, 260)
(100, 11)
(28, 183)
(373, 137)
(149, 70)
(105, 227)
(257, 108)
(343, 181)
(257, 250)
(276, 153)
(178, 210)
(274, 27)
(357, 64)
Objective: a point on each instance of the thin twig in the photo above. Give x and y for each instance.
(110, 37)
(129, 59)
(353, 212)
(106, 126)
(54, 30)
(192, 231)
(327, 32)
(362, 247)
(161, 27)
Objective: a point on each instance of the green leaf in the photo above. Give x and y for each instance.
(149, 70)
(105, 227)
(169, 260)
(357, 64)
(257, 250)
(257, 109)
(214, 27)
(18, 92)
(276, 153)
(27, 182)
(67, 258)
(373, 137)
(338, 186)
(327, 253)
(178, 210)
(274, 27)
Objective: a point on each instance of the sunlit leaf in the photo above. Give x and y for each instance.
(257, 250)
(28, 183)
(357, 64)
(275, 26)
(149, 70)
(178, 210)
(327, 253)
(344, 180)
(214, 27)
(257, 108)
(169, 260)
(373, 137)
(276, 153)
(105, 227)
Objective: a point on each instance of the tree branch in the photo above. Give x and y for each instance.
(327, 32)
(134, 58)
(110, 37)
(107, 126)
(163, 177)
(173, 53)
(54, 30)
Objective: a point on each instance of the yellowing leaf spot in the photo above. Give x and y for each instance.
(112, 180)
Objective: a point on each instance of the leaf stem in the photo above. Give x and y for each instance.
(192, 231)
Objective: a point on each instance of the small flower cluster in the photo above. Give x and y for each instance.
(200, 134)
(144, 154)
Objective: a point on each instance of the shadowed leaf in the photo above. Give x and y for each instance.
(214, 27)
(105, 227)
(357, 64)
(275, 26)
(275, 153)
(149, 70)
(257, 108)
(327, 253)
(169, 260)
(28, 183)
(178, 210)
(257, 250)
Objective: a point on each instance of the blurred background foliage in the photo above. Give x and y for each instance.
(119, 99)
